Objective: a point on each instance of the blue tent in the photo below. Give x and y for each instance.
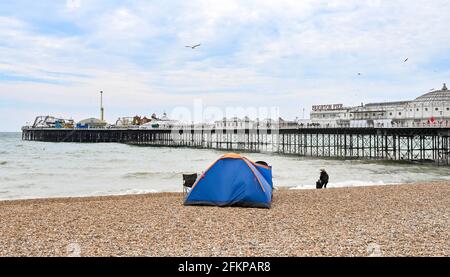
(233, 180)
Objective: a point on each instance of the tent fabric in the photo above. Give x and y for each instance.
(266, 171)
(233, 180)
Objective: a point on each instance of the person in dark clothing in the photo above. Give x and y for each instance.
(323, 179)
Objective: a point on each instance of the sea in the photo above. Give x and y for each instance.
(30, 170)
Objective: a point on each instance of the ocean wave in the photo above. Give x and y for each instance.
(143, 175)
(117, 160)
(3, 162)
(124, 192)
(200, 159)
(140, 175)
(345, 184)
(7, 179)
(25, 186)
(138, 191)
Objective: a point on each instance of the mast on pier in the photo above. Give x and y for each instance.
(102, 111)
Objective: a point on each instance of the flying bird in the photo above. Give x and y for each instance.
(406, 60)
(194, 46)
(359, 74)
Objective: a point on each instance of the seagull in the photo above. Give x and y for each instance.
(406, 60)
(359, 73)
(431, 89)
(193, 47)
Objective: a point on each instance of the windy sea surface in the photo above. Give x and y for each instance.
(42, 169)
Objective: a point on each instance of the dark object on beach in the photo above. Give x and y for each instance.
(262, 163)
(323, 179)
(318, 185)
(188, 181)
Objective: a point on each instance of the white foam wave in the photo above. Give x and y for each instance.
(139, 191)
(124, 192)
(345, 184)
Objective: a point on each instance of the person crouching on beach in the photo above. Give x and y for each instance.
(323, 179)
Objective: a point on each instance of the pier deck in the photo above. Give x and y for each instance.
(401, 144)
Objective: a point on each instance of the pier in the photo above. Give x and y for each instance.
(423, 145)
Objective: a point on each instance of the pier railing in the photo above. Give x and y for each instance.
(400, 144)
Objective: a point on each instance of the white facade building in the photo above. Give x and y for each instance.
(247, 123)
(235, 123)
(431, 109)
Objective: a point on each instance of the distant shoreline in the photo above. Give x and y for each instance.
(388, 220)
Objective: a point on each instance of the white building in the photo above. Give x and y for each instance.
(162, 123)
(330, 115)
(429, 109)
(235, 123)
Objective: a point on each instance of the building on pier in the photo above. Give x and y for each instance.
(428, 110)
(247, 123)
(91, 123)
(163, 122)
(235, 123)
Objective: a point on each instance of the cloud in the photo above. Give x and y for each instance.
(73, 4)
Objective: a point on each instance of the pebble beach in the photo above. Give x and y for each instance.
(390, 220)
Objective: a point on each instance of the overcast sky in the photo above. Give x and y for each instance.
(56, 55)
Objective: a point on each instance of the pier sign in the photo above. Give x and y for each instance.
(327, 107)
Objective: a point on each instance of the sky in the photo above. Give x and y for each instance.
(56, 55)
